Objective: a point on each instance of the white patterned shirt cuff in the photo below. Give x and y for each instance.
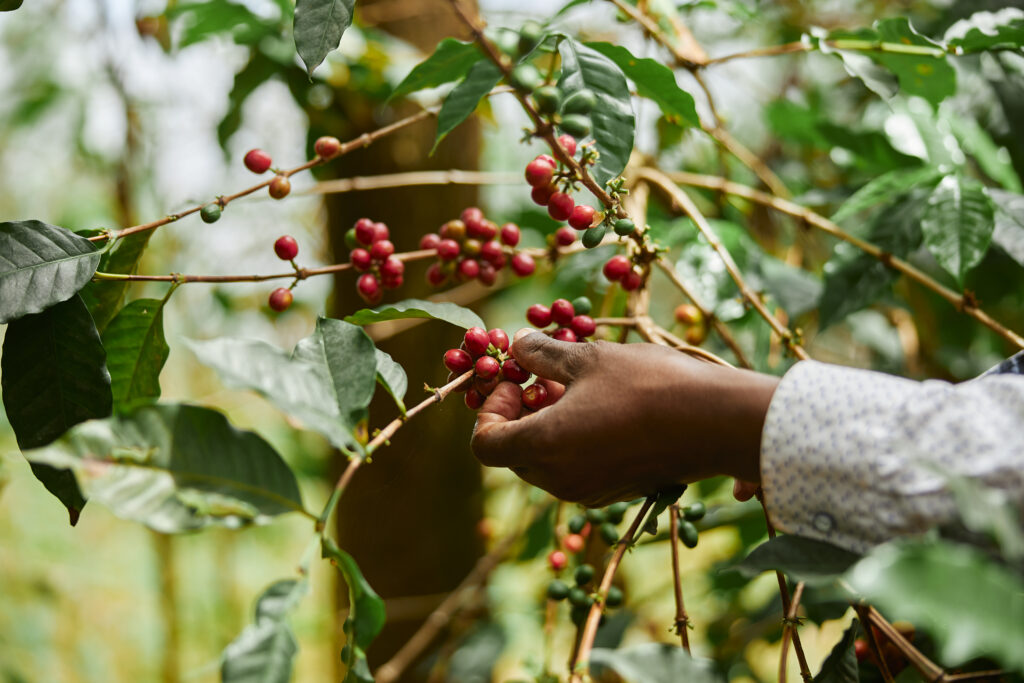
(855, 457)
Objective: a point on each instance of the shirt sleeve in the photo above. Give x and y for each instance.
(855, 457)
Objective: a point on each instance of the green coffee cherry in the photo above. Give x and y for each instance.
(530, 34)
(580, 102)
(614, 597)
(579, 597)
(616, 511)
(688, 534)
(694, 512)
(593, 236)
(576, 125)
(558, 589)
(526, 77)
(579, 614)
(609, 534)
(584, 574)
(507, 42)
(582, 306)
(547, 98)
(350, 239)
(210, 213)
(577, 522)
(595, 515)
(624, 227)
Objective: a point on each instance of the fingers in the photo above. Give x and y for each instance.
(499, 432)
(547, 357)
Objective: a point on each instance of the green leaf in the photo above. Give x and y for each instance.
(451, 61)
(983, 31)
(971, 606)
(105, 297)
(392, 377)
(318, 27)
(257, 71)
(841, 664)
(655, 81)
(202, 20)
(885, 187)
(987, 511)
(54, 376)
(366, 611)
(265, 650)
(176, 468)
(805, 559)
(613, 123)
(462, 100)
(10, 5)
(796, 290)
(656, 663)
(1009, 230)
(568, 6)
(957, 224)
(41, 265)
(417, 308)
(136, 352)
(993, 160)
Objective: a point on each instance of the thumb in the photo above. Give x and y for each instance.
(550, 358)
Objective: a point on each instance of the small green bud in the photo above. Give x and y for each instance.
(624, 227)
(210, 213)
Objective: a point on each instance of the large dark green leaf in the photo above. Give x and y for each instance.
(451, 61)
(796, 290)
(655, 81)
(841, 664)
(656, 663)
(264, 652)
(257, 71)
(417, 308)
(982, 31)
(346, 357)
(885, 187)
(392, 377)
(105, 297)
(462, 100)
(41, 265)
(10, 5)
(805, 559)
(175, 468)
(957, 224)
(54, 376)
(971, 606)
(136, 351)
(319, 25)
(612, 122)
(1009, 218)
(366, 612)
(202, 20)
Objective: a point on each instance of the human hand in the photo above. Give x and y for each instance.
(623, 421)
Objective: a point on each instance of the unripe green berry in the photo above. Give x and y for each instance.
(582, 306)
(350, 239)
(593, 236)
(694, 512)
(687, 534)
(595, 515)
(614, 597)
(530, 34)
(526, 77)
(210, 213)
(584, 574)
(579, 614)
(580, 102)
(576, 125)
(557, 589)
(624, 227)
(616, 511)
(609, 534)
(547, 98)
(579, 597)
(576, 523)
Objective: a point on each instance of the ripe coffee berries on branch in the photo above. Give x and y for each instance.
(539, 315)
(326, 147)
(581, 217)
(583, 326)
(381, 249)
(499, 339)
(514, 372)
(364, 231)
(510, 234)
(476, 341)
(631, 281)
(487, 367)
(369, 288)
(430, 241)
(280, 299)
(448, 250)
(616, 267)
(360, 259)
(257, 161)
(542, 195)
(280, 186)
(523, 264)
(286, 248)
(474, 399)
(565, 236)
(564, 334)
(535, 396)
(562, 312)
(458, 361)
(560, 206)
(569, 143)
(539, 172)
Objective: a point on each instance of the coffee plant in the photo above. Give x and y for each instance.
(884, 213)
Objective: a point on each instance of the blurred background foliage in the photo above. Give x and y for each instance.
(114, 112)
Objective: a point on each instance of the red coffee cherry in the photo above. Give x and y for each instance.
(364, 231)
(435, 276)
(557, 559)
(430, 241)
(538, 315)
(457, 360)
(510, 234)
(369, 287)
(539, 172)
(560, 206)
(326, 147)
(484, 230)
(499, 338)
(280, 299)
(391, 281)
(360, 259)
(583, 326)
(474, 399)
(573, 543)
(861, 649)
(280, 186)
(569, 142)
(631, 280)
(542, 195)
(523, 265)
(491, 252)
(380, 232)
(616, 267)
(391, 268)
(581, 217)
(486, 386)
(534, 396)
(381, 249)
(548, 158)
(468, 269)
(514, 372)
(488, 274)
(565, 236)
(257, 161)
(286, 248)
(471, 213)
(564, 334)
(476, 341)
(487, 367)
(562, 312)
(448, 250)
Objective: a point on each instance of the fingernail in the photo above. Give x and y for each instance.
(523, 332)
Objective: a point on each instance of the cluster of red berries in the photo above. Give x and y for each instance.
(472, 247)
(570, 317)
(541, 174)
(619, 269)
(485, 352)
(286, 249)
(258, 161)
(373, 255)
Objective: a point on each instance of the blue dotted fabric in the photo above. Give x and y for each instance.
(855, 457)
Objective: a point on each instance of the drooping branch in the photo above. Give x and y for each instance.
(411, 178)
(682, 621)
(788, 628)
(841, 44)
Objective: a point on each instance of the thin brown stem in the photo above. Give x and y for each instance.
(929, 669)
(863, 611)
(413, 178)
(788, 628)
(750, 160)
(580, 664)
(686, 204)
(772, 51)
(695, 351)
(963, 303)
(840, 44)
(683, 59)
(682, 621)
